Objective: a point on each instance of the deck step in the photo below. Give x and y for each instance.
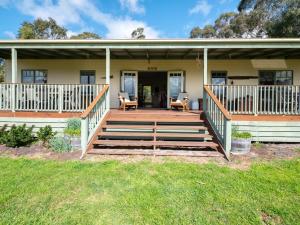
(155, 152)
(127, 143)
(158, 127)
(144, 134)
(167, 120)
(130, 143)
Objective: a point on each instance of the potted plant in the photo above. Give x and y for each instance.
(72, 133)
(240, 142)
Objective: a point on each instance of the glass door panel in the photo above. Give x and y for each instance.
(129, 83)
(176, 83)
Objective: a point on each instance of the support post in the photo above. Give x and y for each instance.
(107, 76)
(227, 137)
(14, 77)
(205, 66)
(84, 135)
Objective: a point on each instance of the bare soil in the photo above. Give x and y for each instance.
(259, 153)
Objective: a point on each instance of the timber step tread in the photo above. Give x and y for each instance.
(158, 127)
(140, 134)
(181, 120)
(155, 152)
(156, 143)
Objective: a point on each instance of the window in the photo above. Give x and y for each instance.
(276, 77)
(219, 77)
(34, 76)
(87, 77)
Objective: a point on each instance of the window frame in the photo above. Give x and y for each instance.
(274, 76)
(34, 75)
(87, 71)
(219, 71)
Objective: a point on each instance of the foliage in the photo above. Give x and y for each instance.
(18, 136)
(2, 70)
(73, 127)
(255, 19)
(86, 35)
(52, 192)
(45, 134)
(138, 33)
(3, 133)
(240, 135)
(42, 29)
(60, 144)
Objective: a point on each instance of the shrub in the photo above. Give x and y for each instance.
(3, 132)
(240, 135)
(18, 136)
(45, 134)
(60, 144)
(73, 127)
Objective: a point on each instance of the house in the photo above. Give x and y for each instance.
(253, 84)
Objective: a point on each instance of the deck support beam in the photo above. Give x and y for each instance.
(107, 76)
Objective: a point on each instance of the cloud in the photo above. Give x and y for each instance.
(10, 34)
(4, 3)
(201, 7)
(133, 6)
(67, 12)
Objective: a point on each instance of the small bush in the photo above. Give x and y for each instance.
(73, 127)
(60, 144)
(3, 132)
(45, 134)
(18, 136)
(240, 135)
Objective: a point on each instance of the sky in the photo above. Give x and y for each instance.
(115, 18)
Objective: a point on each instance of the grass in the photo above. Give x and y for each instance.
(51, 192)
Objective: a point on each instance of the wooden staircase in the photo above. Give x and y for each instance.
(153, 132)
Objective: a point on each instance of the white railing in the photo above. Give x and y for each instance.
(48, 97)
(259, 99)
(218, 118)
(92, 117)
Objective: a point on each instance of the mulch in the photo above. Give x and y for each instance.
(259, 153)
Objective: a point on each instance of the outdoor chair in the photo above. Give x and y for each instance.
(182, 102)
(125, 101)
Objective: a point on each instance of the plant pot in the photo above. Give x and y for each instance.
(240, 146)
(75, 142)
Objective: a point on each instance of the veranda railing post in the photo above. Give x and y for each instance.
(227, 135)
(84, 135)
(204, 106)
(60, 98)
(13, 97)
(255, 100)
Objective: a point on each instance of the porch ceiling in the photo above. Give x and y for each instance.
(160, 53)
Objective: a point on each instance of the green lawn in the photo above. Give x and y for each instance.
(50, 192)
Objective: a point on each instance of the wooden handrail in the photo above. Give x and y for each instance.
(217, 102)
(94, 102)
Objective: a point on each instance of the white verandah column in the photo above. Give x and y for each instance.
(107, 76)
(14, 77)
(204, 76)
